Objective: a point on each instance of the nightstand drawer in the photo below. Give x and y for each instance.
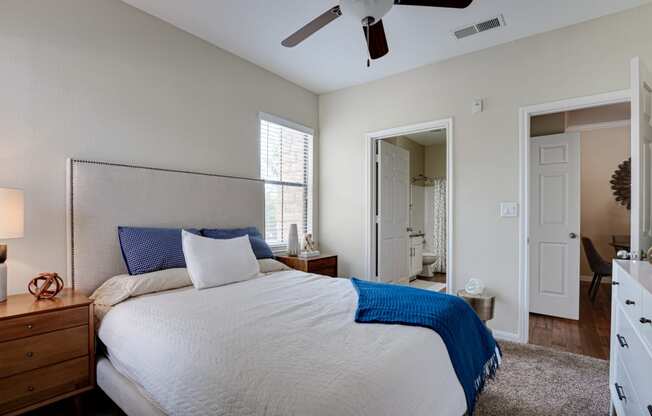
(36, 386)
(43, 322)
(325, 271)
(42, 350)
(326, 266)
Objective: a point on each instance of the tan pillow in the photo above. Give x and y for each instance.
(271, 265)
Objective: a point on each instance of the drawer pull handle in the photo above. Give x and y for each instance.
(30, 388)
(645, 321)
(614, 283)
(622, 341)
(29, 354)
(630, 302)
(29, 326)
(620, 392)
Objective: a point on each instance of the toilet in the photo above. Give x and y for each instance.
(428, 260)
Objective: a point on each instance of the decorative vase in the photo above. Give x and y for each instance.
(293, 241)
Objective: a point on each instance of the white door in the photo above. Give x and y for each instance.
(554, 225)
(393, 207)
(641, 131)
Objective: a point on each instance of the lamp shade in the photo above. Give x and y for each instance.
(12, 213)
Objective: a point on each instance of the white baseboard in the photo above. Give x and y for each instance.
(506, 336)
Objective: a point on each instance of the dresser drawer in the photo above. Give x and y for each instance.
(646, 328)
(44, 322)
(634, 356)
(35, 386)
(29, 353)
(628, 293)
(622, 391)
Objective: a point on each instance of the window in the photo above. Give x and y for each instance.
(286, 168)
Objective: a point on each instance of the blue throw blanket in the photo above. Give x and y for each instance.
(472, 349)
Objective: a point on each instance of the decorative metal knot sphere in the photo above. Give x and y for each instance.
(41, 285)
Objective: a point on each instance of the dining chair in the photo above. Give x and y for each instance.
(598, 265)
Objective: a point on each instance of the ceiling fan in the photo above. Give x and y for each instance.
(370, 13)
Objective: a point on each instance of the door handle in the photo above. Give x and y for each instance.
(621, 392)
(572, 235)
(622, 341)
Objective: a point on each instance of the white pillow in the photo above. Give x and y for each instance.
(212, 262)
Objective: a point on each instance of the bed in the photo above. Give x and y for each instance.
(281, 344)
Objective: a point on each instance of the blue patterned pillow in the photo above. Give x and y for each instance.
(258, 243)
(226, 233)
(148, 250)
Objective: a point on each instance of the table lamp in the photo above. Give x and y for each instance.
(11, 226)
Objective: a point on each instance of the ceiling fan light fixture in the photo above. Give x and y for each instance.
(363, 9)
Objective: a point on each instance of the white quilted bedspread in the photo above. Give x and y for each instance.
(284, 344)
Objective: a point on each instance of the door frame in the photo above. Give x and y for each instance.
(369, 193)
(524, 115)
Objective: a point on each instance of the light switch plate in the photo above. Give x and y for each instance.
(509, 209)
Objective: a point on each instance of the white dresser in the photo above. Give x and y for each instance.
(630, 370)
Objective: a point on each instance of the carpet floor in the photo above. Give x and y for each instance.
(532, 381)
(538, 381)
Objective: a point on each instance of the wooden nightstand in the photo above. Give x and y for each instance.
(323, 264)
(47, 350)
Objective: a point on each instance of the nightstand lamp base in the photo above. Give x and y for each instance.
(3, 282)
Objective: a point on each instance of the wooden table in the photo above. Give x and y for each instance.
(325, 264)
(47, 350)
(620, 242)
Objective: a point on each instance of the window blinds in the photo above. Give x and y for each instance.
(286, 168)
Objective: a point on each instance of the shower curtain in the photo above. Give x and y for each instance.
(439, 223)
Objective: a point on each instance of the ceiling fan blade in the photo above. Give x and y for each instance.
(376, 40)
(456, 4)
(311, 27)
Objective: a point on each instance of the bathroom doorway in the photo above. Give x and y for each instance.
(411, 207)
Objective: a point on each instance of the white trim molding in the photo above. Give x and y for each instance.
(506, 336)
(369, 195)
(525, 113)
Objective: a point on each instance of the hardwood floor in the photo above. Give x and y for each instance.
(588, 336)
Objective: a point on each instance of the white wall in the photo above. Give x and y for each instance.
(585, 59)
(98, 79)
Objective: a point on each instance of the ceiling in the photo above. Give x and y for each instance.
(335, 57)
(428, 138)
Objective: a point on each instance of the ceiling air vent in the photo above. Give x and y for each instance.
(466, 31)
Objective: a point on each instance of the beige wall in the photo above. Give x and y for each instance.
(602, 114)
(98, 79)
(436, 161)
(581, 60)
(601, 216)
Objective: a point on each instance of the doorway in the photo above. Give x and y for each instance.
(578, 221)
(409, 201)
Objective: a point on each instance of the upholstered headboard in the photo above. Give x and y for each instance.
(102, 196)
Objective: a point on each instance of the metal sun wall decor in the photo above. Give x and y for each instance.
(621, 183)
